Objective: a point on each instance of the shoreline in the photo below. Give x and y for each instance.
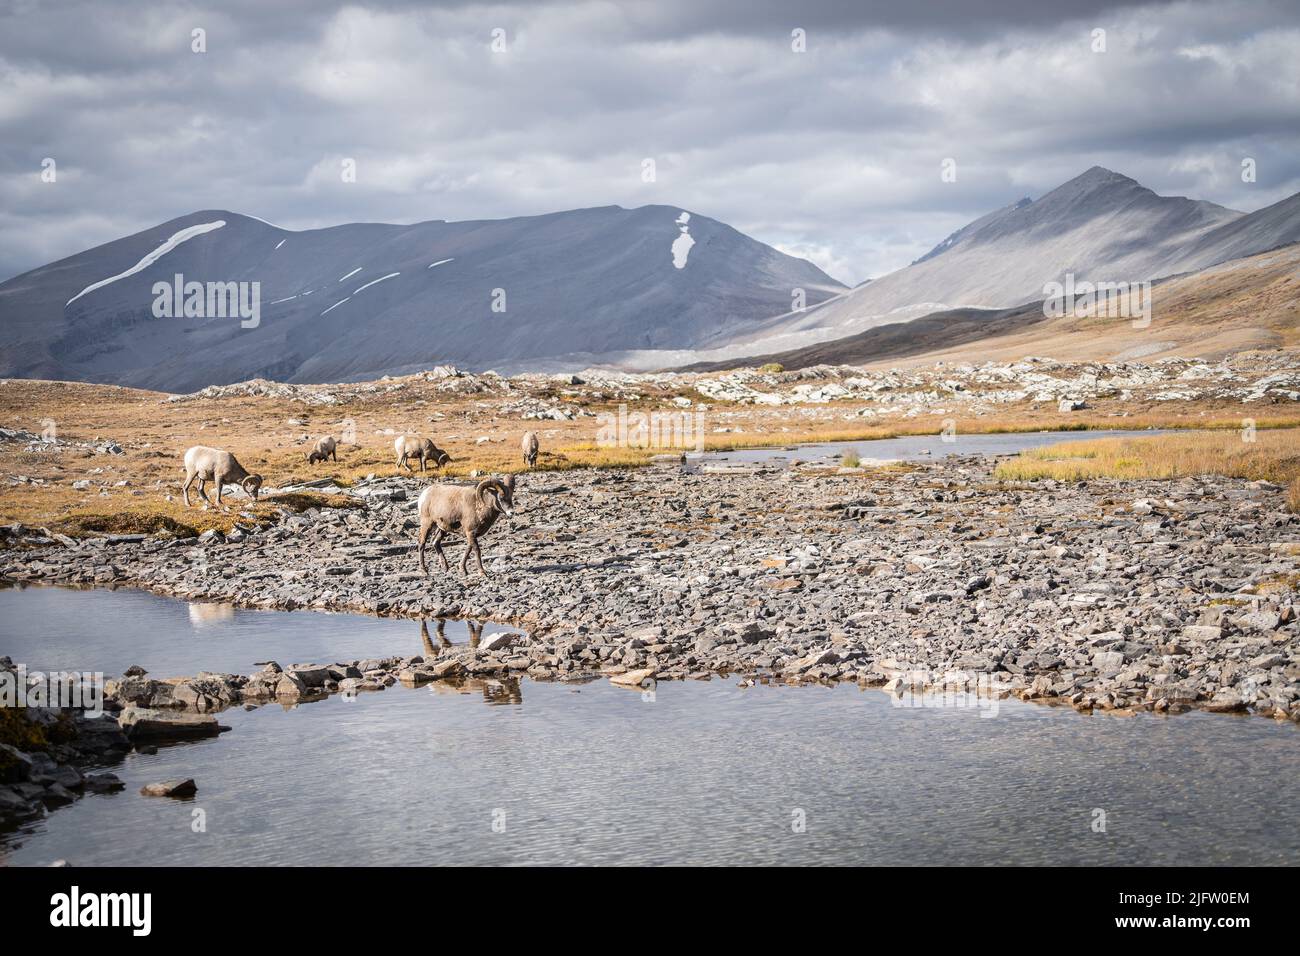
(756, 598)
(1112, 596)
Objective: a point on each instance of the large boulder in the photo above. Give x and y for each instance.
(140, 723)
(142, 692)
(312, 676)
(15, 766)
(207, 691)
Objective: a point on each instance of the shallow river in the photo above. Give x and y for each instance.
(704, 772)
(919, 447)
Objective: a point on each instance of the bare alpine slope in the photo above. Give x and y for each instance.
(358, 301)
(1100, 226)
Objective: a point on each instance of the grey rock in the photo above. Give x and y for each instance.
(170, 788)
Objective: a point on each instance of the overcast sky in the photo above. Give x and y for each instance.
(834, 153)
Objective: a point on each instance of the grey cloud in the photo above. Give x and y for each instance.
(833, 153)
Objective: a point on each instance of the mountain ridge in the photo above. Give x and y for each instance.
(1100, 225)
(357, 300)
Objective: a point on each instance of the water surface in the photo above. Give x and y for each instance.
(63, 629)
(920, 447)
(694, 772)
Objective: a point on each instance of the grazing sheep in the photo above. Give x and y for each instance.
(530, 446)
(471, 511)
(421, 448)
(213, 464)
(323, 450)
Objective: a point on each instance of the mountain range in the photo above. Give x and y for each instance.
(1100, 226)
(358, 301)
(651, 287)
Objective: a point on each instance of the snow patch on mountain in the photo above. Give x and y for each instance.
(376, 281)
(189, 232)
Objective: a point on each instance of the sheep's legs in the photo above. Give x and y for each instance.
(437, 546)
(204, 494)
(185, 489)
(423, 537)
(471, 545)
(437, 549)
(401, 460)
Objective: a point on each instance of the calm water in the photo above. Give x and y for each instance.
(50, 628)
(697, 772)
(920, 447)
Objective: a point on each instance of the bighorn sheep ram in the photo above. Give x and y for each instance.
(421, 448)
(530, 447)
(471, 511)
(213, 464)
(323, 450)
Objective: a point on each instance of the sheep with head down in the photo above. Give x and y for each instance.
(213, 464)
(424, 449)
(323, 450)
(470, 510)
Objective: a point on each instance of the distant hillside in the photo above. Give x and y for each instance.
(1100, 226)
(362, 300)
(1248, 303)
(896, 340)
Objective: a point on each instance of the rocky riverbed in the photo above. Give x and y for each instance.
(1108, 595)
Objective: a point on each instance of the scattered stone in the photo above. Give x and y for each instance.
(170, 788)
(632, 678)
(497, 642)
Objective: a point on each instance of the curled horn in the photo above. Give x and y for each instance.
(255, 481)
(491, 484)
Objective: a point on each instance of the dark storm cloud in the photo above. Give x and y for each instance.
(833, 153)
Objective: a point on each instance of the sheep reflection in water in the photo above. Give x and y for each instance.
(495, 690)
(439, 628)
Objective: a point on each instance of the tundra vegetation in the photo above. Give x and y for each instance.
(1272, 455)
(75, 487)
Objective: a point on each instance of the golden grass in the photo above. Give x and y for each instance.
(1283, 583)
(63, 511)
(592, 455)
(271, 436)
(1293, 496)
(1271, 456)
